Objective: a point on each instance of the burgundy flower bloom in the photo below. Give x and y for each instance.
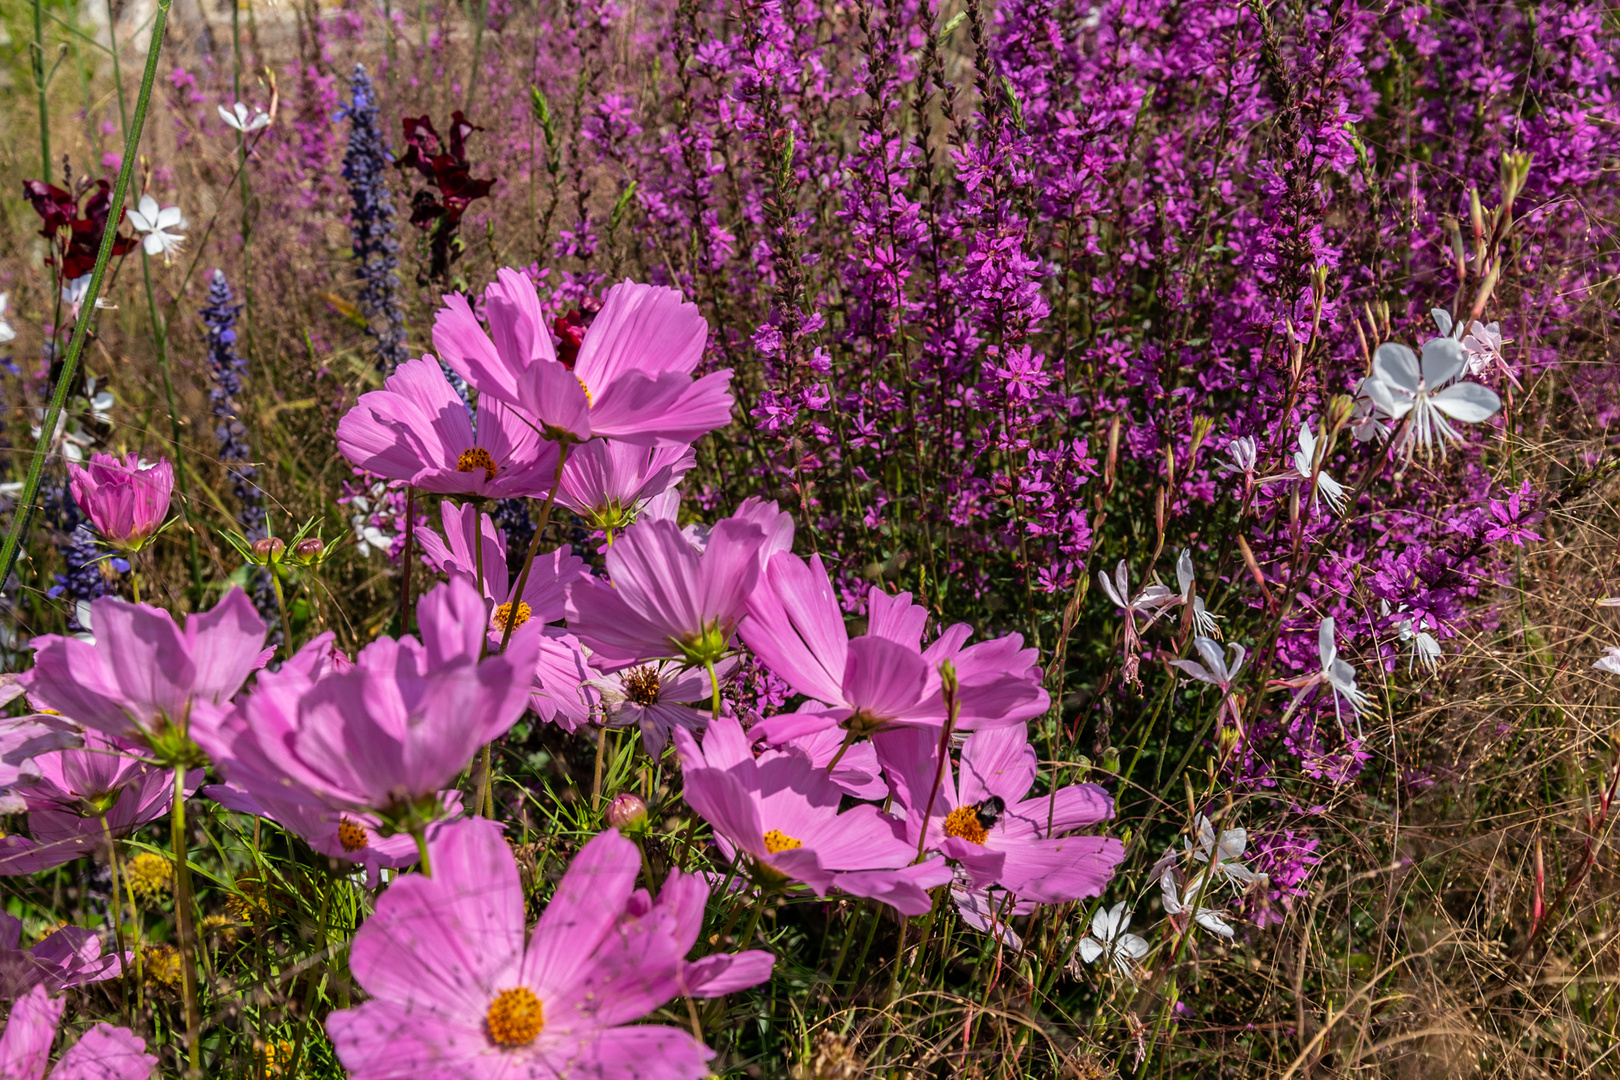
(438, 209)
(75, 235)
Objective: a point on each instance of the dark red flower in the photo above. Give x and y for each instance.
(75, 234)
(448, 171)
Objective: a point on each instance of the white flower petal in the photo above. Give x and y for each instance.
(1467, 401)
(1396, 367)
(1443, 360)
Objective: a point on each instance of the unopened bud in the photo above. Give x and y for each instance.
(626, 812)
(269, 547)
(309, 549)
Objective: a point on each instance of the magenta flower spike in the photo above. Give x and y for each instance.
(983, 821)
(102, 1053)
(388, 732)
(67, 958)
(417, 430)
(632, 379)
(883, 678)
(782, 812)
(667, 600)
(545, 594)
(355, 836)
(144, 678)
(71, 791)
(458, 994)
(607, 482)
(124, 500)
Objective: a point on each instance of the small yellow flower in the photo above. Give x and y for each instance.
(151, 877)
(162, 966)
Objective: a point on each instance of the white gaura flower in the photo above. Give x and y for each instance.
(1335, 674)
(237, 117)
(1216, 671)
(1425, 395)
(1610, 662)
(1108, 940)
(157, 223)
(1150, 602)
(1305, 465)
(1224, 853)
(1425, 649)
(1175, 903)
(1203, 621)
(6, 332)
(1244, 452)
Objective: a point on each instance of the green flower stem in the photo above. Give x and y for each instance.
(37, 55)
(160, 336)
(419, 834)
(534, 545)
(185, 931)
(81, 329)
(117, 917)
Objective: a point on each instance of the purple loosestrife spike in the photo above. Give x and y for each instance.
(102, 1053)
(125, 500)
(781, 812)
(457, 993)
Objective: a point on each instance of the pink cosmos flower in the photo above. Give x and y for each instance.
(544, 598)
(125, 501)
(657, 698)
(666, 599)
(22, 740)
(563, 693)
(883, 678)
(607, 481)
(354, 837)
(632, 379)
(71, 791)
(983, 821)
(416, 429)
(69, 957)
(102, 1053)
(388, 732)
(145, 679)
(458, 994)
(782, 812)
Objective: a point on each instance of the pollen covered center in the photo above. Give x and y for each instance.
(780, 841)
(963, 823)
(503, 615)
(352, 834)
(477, 458)
(641, 686)
(589, 400)
(515, 1017)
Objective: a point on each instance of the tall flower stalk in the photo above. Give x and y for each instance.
(371, 224)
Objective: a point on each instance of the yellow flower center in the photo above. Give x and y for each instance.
(162, 964)
(150, 876)
(516, 1017)
(477, 458)
(781, 841)
(352, 835)
(641, 686)
(504, 613)
(963, 822)
(589, 400)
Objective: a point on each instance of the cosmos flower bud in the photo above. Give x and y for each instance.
(125, 500)
(268, 548)
(309, 549)
(627, 812)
